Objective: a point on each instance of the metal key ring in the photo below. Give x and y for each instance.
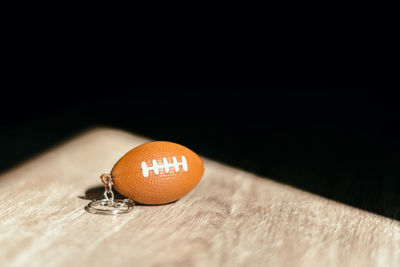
(110, 207)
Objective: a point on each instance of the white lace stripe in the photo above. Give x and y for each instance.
(164, 165)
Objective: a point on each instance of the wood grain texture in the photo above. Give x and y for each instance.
(232, 218)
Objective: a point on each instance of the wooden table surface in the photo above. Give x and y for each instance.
(232, 218)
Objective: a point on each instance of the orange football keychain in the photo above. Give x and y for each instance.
(153, 173)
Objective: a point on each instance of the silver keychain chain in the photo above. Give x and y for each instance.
(108, 205)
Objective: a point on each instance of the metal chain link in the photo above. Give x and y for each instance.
(109, 205)
(108, 193)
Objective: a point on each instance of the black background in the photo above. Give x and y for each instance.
(321, 115)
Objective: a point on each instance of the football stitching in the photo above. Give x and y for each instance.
(165, 165)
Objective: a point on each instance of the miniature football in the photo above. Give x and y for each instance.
(157, 172)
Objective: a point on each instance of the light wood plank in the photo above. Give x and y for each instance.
(232, 218)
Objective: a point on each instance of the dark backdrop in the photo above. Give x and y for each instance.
(326, 123)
